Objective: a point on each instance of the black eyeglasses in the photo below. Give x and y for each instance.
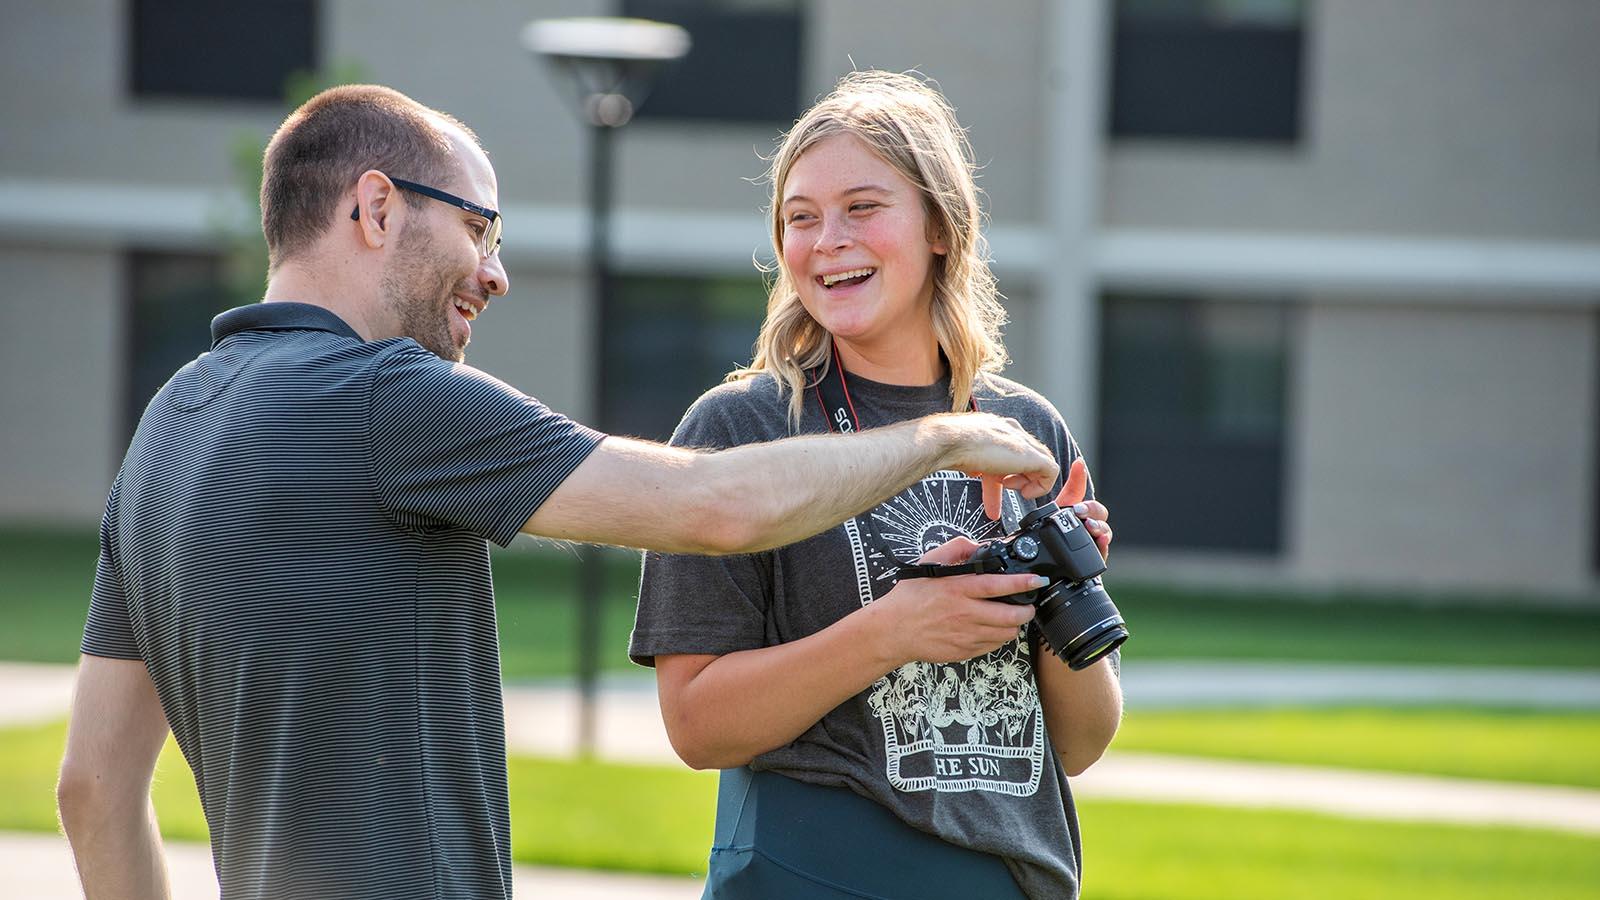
(491, 233)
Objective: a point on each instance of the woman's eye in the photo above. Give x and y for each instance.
(862, 207)
(797, 218)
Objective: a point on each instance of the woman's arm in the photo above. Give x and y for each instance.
(1081, 709)
(722, 711)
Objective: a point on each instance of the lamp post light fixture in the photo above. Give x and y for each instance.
(611, 63)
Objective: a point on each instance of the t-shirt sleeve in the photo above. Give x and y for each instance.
(108, 631)
(699, 604)
(456, 447)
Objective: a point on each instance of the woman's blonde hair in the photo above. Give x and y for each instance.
(909, 125)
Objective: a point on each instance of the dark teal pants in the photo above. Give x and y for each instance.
(781, 839)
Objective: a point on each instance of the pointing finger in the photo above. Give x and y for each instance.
(991, 496)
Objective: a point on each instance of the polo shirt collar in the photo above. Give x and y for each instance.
(278, 316)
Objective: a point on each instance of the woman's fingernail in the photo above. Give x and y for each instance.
(1039, 581)
(1080, 508)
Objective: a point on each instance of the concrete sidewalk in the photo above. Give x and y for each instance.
(31, 692)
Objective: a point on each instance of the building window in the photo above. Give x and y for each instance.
(193, 49)
(743, 65)
(668, 340)
(1208, 69)
(172, 298)
(1193, 417)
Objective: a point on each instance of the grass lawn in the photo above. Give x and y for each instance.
(1511, 745)
(1143, 851)
(583, 814)
(48, 575)
(659, 819)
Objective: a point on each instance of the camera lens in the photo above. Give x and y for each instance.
(1079, 622)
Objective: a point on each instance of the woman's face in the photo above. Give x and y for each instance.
(856, 244)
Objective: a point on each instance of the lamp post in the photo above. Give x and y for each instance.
(612, 63)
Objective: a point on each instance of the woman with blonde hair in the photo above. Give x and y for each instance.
(878, 738)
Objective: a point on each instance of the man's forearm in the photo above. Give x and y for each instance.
(118, 851)
(789, 490)
(755, 496)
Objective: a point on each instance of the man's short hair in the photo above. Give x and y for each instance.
(323, 147)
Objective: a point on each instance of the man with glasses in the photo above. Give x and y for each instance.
(293, 571)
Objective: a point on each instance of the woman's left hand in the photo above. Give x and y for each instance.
(1093, 513)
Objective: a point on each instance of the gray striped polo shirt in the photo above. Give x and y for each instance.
(296, 547)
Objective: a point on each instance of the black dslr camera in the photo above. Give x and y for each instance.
(1073, 613)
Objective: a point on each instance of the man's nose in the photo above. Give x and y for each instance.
(492, 276)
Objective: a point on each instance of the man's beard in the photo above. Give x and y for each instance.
(417, 289)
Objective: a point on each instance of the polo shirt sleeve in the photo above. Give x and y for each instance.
(453, 446)
(108, 631)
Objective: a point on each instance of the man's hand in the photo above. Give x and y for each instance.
(1002, 453)
(1092, 513)
(951, 619)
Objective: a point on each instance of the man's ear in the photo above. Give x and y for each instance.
(377, 208)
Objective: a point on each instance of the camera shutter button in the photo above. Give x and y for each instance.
(1026, 548)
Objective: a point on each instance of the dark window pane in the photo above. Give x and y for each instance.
(235, 51)
(668, 340)
(171, 300)
(1192, 69)
(1192, 399)
(744, 63)
(1221, 12)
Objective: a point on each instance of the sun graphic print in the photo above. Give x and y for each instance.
(969, 726)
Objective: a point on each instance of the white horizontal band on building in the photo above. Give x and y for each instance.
(87, 213)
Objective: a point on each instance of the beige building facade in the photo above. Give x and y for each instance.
(1391, 315)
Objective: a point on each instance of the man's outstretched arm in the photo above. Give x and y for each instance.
(752, 497)
(116, 733)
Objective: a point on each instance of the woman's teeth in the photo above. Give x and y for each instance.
(854, 276)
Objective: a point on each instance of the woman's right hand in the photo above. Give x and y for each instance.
(950, 619)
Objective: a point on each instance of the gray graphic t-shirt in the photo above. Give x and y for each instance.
(959, 750)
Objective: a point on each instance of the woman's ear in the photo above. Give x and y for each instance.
(936, 240)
